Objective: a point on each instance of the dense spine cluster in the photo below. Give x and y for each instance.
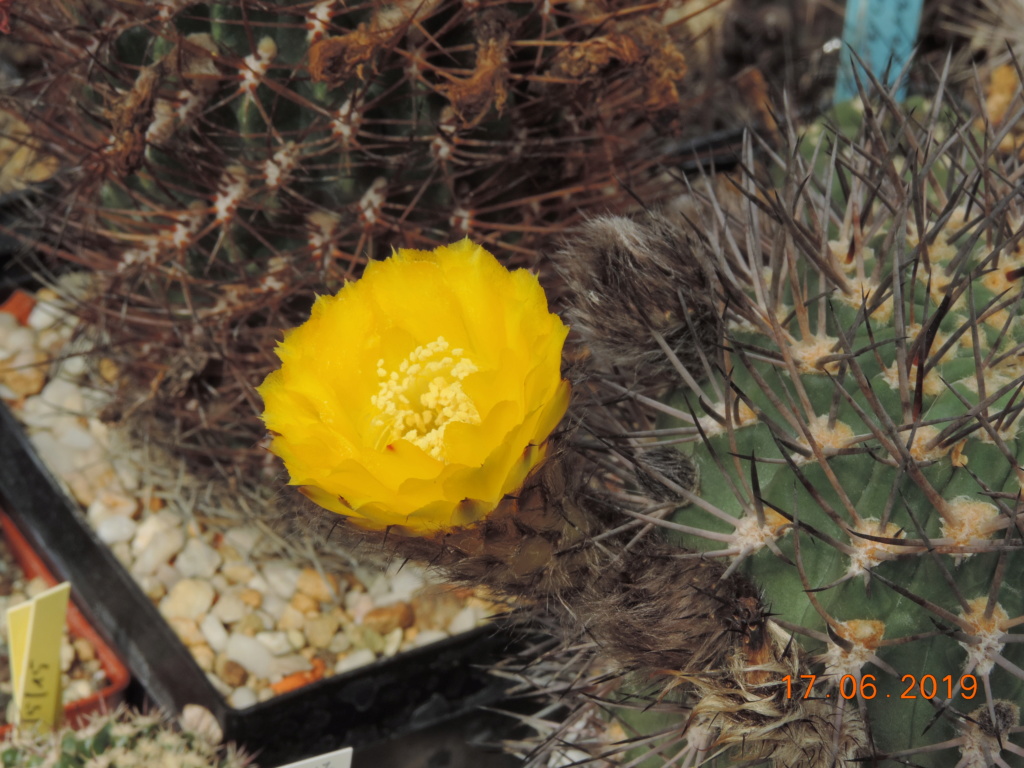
(220, 163)
(821, 481)
(855, 436)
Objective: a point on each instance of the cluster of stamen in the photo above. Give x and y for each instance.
(419, 400)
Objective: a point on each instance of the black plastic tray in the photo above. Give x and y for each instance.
(413, 690)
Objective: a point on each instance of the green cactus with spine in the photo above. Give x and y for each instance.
(223, 162)
(784, 531)
(121, 739)
(855, 435)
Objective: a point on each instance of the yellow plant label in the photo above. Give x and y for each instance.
(34, 632)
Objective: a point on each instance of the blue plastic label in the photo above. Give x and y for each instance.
(883, 33)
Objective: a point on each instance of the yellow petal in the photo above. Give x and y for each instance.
(422, 394)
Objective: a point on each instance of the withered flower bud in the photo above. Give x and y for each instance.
(636, 286)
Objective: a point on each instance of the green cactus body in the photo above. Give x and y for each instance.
(862, 464)
(845, 438)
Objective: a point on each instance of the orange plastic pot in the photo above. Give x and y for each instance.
(77, 713)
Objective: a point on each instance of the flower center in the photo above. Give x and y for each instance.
(419, 400)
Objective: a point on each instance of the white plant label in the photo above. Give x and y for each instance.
(339, 759)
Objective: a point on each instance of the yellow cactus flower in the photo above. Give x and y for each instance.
(421, 394)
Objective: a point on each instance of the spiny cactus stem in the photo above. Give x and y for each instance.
(650, 401)
(900, 452)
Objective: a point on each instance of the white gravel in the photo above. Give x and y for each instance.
(226, 598)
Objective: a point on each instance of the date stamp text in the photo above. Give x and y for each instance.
(866, 687)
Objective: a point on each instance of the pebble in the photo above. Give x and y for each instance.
(237, 573)
(323, 588)
(243, 538)
(168, 575)
(360, 605)
(291, 619)
(57, 407)
(16, 338)
(116, 528)
(71, 367)
(259, 661)
(44, 315)
(340, 643)
(435, 607)
(158, 551)
(428, 636)
(197, 560)
(242, 697)
(230, 670)
(354, 660)
(229, 608)
(393, 641)
(24, 373)
(251, 597)
(297, 639)
(187, 631)
(281, 578)
(35, 586)
(204, 656)
(250, 624)
(226, 593)
(8, 323)
(464, 620)
(319, 630)
(290, 665)
(276, 642)
(387, 618)
(123, 552)
(84, 650)
(57, 458)
(189, 599)
(78, 440)
(151, 585)
(273, 606)
(111, 503)
(258, 583)
(304, 603)
(230, 554)
(404, 585)
(78, 689)
(214, 632)
(67, 655)
(153, 527)
(370, 639)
